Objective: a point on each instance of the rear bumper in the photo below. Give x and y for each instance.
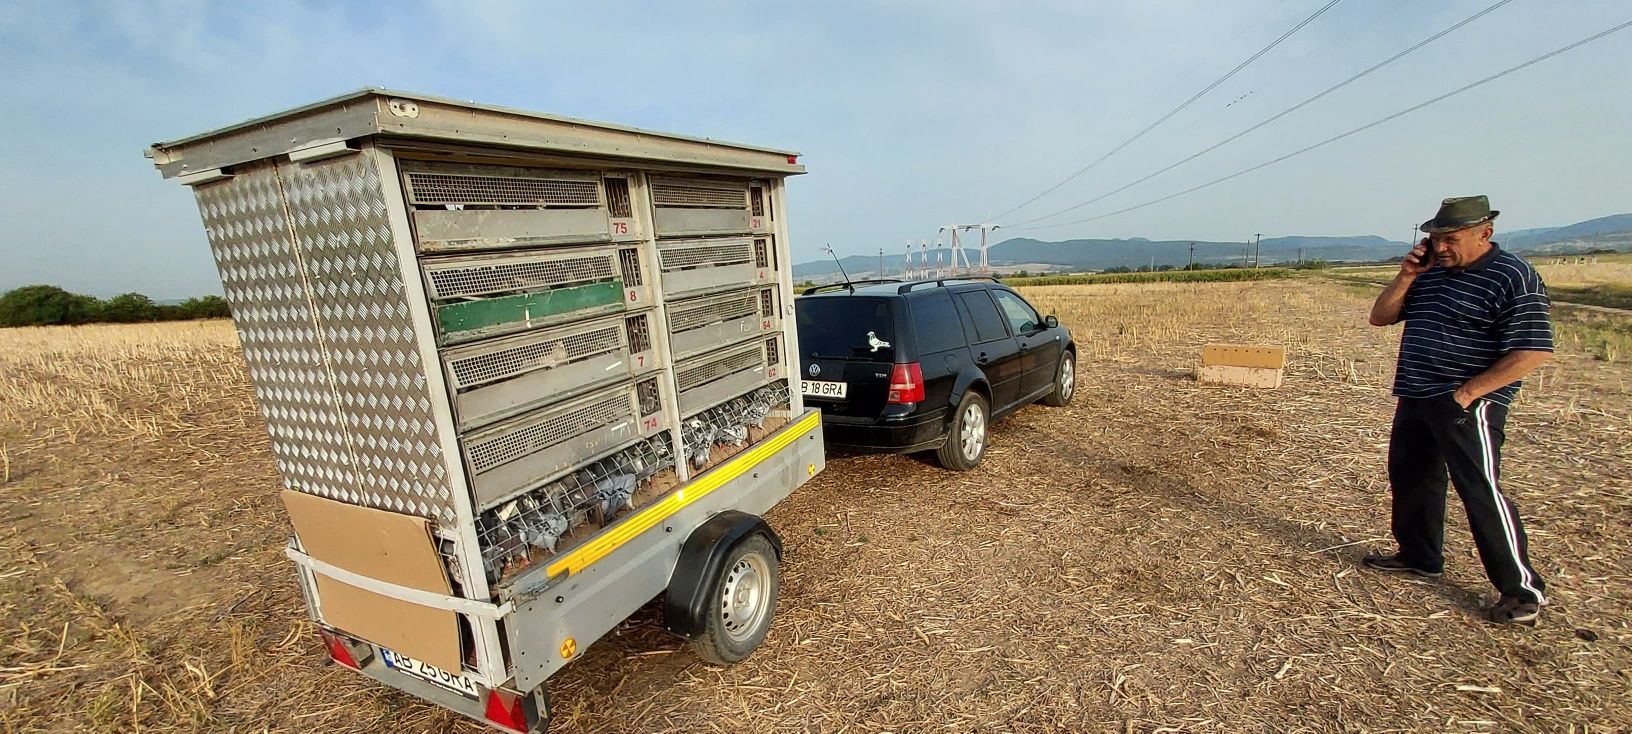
(918, 432)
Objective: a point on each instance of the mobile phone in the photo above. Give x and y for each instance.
(1427, 259)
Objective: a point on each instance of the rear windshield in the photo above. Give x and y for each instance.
(846, 328)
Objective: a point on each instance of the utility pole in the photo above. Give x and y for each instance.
(1192, 265)
(1300, 255)
(1257, 238)
(1246, 254)
(880, 262)
(1152, 264)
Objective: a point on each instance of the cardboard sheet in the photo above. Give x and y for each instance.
(1243, 355)
(392, 547)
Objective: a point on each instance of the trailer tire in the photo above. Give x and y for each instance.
(742, 602)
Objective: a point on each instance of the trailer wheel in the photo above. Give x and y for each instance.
(743, 598)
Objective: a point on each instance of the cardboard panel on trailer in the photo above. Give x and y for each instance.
(388, 546)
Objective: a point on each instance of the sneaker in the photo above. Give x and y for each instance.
(1394, 564)
(1513, 610)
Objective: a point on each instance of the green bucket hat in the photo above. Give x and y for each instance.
(1460, 212)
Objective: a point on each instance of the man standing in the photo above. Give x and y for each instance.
(1475, 324)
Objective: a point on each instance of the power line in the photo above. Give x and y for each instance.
(1175, 110)
(1362, 128)
(1277, 116)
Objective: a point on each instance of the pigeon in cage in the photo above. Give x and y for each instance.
(544, 530)
(757, 412)
(735, 435)
(615, 493)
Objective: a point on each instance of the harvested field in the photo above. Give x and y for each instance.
(1159, 556)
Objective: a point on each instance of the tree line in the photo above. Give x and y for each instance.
(48, 305)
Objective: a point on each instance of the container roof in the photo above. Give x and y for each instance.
(408, 115)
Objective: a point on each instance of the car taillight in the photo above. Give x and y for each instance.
(507, 710)
(906, 384)
(338, 650)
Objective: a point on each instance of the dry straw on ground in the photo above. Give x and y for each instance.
(1160, 556)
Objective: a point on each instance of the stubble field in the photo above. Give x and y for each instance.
(1159, 556)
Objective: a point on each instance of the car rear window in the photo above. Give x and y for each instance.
(987, 322)
(846, 328)
(935, 321)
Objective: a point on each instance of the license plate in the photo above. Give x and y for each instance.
(819, 389)
(426, 671)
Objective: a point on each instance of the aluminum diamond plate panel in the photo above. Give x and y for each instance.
(356, 282)
(260, 274)
(323, 315)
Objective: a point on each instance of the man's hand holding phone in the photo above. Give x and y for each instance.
(1419, 260)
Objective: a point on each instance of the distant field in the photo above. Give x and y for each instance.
(1163, 276)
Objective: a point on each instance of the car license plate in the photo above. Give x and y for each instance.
(426, 671)
(819, 389)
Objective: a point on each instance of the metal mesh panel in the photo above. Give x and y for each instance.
(767, 303)
(687, 315)
(535, 352)
(762, 255)
(737, 360)
(647, 395)
(428, 188)
(756, 200)
(617, 198)
(698, 195)
(629, 265)
(705, 253)
(639, 333)
(772, 351)
(534, 433)
(508, 276)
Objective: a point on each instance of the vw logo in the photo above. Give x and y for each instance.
(815, 369)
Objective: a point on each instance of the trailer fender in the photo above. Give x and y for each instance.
(701, 558)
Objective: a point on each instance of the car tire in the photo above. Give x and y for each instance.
(742, 601)
(1065, 381)
(968, 434)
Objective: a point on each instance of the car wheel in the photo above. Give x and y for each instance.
(743, 598)
(967, 436)
(1065, 381)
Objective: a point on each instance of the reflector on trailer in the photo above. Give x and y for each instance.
(507, 710)
(338, 650)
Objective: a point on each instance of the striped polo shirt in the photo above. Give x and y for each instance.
(1458, 322)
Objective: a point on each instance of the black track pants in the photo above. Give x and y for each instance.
(1431, 436)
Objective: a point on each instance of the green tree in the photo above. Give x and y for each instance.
(207, 307)
(127, 308)
(42, 305)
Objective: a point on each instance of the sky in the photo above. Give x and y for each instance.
(909, 115)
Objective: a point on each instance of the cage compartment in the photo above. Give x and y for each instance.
(461, 207)
(488, 295)
(497, 378)
(518, 454)
(703, 324)
(708, 380)
(695, 266)
(561, 514)
(711, 436)
(699, 206)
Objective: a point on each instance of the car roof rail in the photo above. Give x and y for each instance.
(941, 282)
(848, 285)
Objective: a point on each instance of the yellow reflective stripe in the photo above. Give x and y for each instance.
(599, 547)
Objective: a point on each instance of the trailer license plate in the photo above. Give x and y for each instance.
(819, 389)
(426, 671)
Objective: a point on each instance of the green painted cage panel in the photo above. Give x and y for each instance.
(456, 319)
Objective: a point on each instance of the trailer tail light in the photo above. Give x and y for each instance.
(338, 650)
(507, 710)
(906, 384)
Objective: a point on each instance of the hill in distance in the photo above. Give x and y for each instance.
(1611, 232)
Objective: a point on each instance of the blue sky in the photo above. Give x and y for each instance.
(909, 115)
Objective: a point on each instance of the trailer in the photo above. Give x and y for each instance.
(522, 374)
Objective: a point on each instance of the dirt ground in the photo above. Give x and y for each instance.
(1160, 556)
